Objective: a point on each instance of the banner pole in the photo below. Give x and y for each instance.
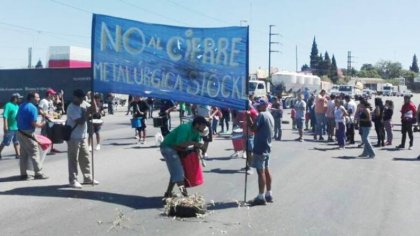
(92, 98)
(246, 115)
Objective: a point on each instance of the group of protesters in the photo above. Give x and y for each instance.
(21, 121)
(338, 117)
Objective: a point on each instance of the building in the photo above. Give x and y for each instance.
(69, 57)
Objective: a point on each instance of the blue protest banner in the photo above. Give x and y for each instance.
(196, 65)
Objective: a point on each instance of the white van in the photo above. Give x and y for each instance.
(257, 88)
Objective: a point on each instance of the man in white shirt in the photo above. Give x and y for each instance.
(351, 110)
(46, 110)
(78, 152)
(46, 105)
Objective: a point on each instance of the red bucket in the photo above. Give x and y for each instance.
(43, 141)
(192, 170)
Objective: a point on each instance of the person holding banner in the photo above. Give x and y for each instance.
(179, 139)
(241, 120)
(27, 121)
(78, 153)
(264, 131)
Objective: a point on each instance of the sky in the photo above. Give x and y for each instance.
(372, 30)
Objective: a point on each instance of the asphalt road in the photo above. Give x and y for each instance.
(318, 190)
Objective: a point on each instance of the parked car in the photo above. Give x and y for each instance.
(407, 92)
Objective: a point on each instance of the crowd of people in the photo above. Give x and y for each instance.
(20, 121)
(338, 118)
(329, 118)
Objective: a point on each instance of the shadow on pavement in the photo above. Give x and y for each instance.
(219, 158)
(10, 179)
(391, 149)
(61, 191)
(346, 157)
(289, 140)
(405, 159)
(312, 141)
(120, 144)
(326, 149)
(224, 171)
(144, 147)
(114, 139)
(222, 205)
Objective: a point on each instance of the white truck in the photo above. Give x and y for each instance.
(387, 89)
(350, 90)
(257, 88)
(334, 90)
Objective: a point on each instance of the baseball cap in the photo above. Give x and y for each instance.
(17, 95)
(51, 91)
(261, 102)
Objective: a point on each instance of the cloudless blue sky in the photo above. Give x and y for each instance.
(371, 29)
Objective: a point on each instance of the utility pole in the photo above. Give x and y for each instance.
(349, 62)
(270, 42)
(30, 57)
(297, 62)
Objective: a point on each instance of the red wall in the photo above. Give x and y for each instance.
(68, 64)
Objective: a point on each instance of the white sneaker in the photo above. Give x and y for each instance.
(75, 185)
(205, 157)
(90, 148)
(234, 155)
(94, 182)
(98, 147)
(244, 155)
(410, 148)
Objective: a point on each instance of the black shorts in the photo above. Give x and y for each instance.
(96, 128)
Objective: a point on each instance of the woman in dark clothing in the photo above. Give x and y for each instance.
(377, 118)
(225, 119)
(388, 112)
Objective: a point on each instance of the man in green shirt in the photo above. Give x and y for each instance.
(178, 140)
(10, 124)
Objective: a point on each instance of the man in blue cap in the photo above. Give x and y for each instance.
(264, 131)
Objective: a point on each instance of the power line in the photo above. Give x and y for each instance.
(40, 30)
(71, 6)
(152, 12)
(198, 12)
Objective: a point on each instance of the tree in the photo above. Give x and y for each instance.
(314, 58)
(333, 70)
(39, 65)
(368, 71)
(305, 68)
(414, 67)
(389, 69)
(367, 67)
(325, 66)
(318, 70)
